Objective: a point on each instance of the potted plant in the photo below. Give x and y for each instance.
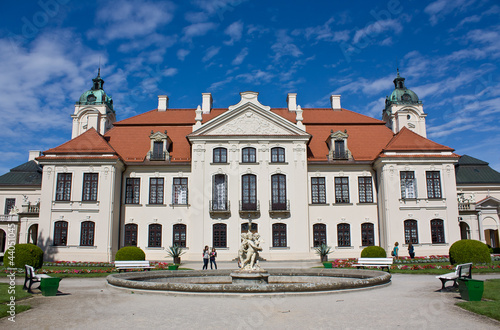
(323, 251)
(175, 252)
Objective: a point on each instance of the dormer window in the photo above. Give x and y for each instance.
(338, 146)
(160, 144)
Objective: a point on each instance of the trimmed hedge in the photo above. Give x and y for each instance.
(373, 252)
(28, 254)
(130, 253)
(469, 250)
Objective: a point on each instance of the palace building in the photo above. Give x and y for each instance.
(202, 176)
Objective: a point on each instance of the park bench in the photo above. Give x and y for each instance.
(31, 277)
(374, 262)
(461, 271)
(132, 264)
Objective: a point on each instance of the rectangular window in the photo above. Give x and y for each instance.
(342, 190)
(63, 192)
(367, 234)
(248, 155)
(277, 155)
(220, 155)
(408, 186)
(340, 150)
(248, 192)
(180, 191)
(132, 190)
(318, 190)
(365, 189)
(156, 190)
(154, 235)
(179, 237)
(279, 235)
(9, 204)
(87, 233)
(343, 234)
(158, 153)
(90, 183)
(433, 184)
(219, 236)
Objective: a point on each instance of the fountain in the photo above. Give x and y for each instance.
(251, 278)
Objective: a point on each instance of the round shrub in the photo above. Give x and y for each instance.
(373, 252)
(130, 253)
(26, 254)
(469, 250)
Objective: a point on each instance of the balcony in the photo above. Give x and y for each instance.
(279, 207)
(219, 207)
(30, 208)
(466, 206)
(246, 207)
(157, 155)
(9, 218)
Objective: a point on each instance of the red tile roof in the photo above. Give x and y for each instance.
(129, 138)
(407, 140)
(90, 142)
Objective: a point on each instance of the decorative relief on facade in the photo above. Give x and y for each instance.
(249, 123)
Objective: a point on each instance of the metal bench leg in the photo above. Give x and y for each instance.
(443, 282)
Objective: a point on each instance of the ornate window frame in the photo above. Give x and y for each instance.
(335, 154)
(159, 137)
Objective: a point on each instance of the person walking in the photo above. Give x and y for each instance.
(213, 254)
(206, 256)
(395, 251)
(411, 251)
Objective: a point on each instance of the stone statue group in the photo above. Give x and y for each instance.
(249, 251)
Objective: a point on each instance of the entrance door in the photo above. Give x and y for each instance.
(491, 237)
(464, 230)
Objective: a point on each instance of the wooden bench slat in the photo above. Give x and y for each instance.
(132, 264)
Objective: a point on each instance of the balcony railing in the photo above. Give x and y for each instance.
(249, 207)
(157, 155)
(466, 206)
(9, 218)
(279, 207)
(340, 155)
(219, 206)
(31, 208)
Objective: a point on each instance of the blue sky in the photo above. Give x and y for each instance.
(448, 51)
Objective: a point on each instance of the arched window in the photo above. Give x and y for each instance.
(319, 234)
(279, 235)
(219, 235)
(33, 234)
(344, 234)
(437, 231)
(219, 193)
(277, 155)
(248, 192)
(87, 233)
(154, 235)
(278, 192)
(248, 155)
(179, 235)
(411, 231)
(3, 240)
(220, 155)
(60, 233)
(130, 234)
(367, 234)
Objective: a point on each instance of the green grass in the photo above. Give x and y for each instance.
(20, 294)
(490, 308)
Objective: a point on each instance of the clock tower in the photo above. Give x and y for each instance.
(93, 109)
(404, 109)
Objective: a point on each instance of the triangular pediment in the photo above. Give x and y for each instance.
(488, 202)
(249, 119)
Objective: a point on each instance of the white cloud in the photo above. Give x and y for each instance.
(217, 85)
(182, 53)
(218, 7)
(441, 8)
(210, 53)
(126, 19)
(234, 31)
(197, 30)
(284, 46)
(376, 28)
(240, 57)
(367, 86)
(256, 77)
(196, 17)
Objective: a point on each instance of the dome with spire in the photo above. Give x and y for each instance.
(96, 95)
(401, 94)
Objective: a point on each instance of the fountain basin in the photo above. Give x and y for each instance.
(279, 281)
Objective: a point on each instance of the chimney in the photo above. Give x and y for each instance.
(33, 154)
(335, 99)
(162, 102)
(291, 100)
(206, 104)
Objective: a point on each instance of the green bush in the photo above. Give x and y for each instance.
(26, 254)
(373, 252)
(469, 250)
(130, 253)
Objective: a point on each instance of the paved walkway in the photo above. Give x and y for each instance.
(410, 302)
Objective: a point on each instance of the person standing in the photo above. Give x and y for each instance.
(395, 251)
(213, 254)
(206, 256)
(411, 251)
